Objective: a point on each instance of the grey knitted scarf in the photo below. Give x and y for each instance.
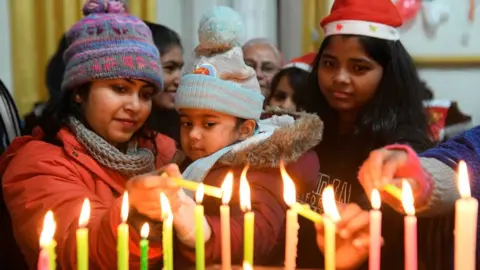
(134, 162)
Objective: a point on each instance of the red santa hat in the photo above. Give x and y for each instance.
(373, 18)
(303, 62)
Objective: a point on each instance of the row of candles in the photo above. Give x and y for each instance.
(465, 227)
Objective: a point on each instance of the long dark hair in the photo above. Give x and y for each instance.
(165, 121)
(57, 112)
(395, 113)
(297, 79)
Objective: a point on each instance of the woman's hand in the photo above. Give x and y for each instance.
(352, 240)
(144, 191)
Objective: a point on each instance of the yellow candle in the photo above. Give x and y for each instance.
(291, 237)
(122, 236)
(199, 236)
(47, 243)
(305, 211)
(167, 233)
(193, 186)
(249, 218)
(331, 217)
(225, 222)
(466, 215)
(82, 236)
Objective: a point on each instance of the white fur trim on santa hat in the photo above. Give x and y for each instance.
(364, 28)
(299, 65)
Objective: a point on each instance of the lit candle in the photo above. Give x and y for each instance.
(144, 246)
(375, 232)
(466, 214)
(291, 238)
(47, 259)
(331, 218)
(199, 237)
(167, 233)
(225, 222)
(122, 236)
(82, 236)
(305, 211)
(410, 227)
(248, 218)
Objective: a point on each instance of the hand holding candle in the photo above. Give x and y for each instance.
(122, 236)
(144, 246)
(291, 238)
(82, 236)
(249, 217)
(410, 227)
(466, 215)
(167, 233)
(225, 222)
(47, 260)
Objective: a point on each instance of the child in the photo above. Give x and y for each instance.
(220, 104)
(365, 88)
(288, 85)
(93, 143)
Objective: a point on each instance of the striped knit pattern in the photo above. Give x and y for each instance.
(109, 46)
(197, 91)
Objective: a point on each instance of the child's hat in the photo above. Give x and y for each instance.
(373, 18)
(303, 62)
(109, 43)
(217, 78)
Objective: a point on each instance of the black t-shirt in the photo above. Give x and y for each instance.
(340, 160)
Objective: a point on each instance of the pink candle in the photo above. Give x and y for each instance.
(375, 232)
(43, 260)
(225, 222)
(410, 227)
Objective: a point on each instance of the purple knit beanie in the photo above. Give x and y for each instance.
(109, 43)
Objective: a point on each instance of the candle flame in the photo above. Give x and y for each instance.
(463, 180)
(407, 198)
(245, 203)
(247, 266)
(165, 204)
(329, 204)
(289, 192)
(227, 188)
(48, 230)
(84, 213)
(199, 193)
(145, 230)
(376, 200)
(125, 206)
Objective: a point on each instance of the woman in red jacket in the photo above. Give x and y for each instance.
(92, 142)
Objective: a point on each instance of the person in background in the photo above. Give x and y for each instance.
(94, 142)
(289, 84)
(432, 174)
(164, 116)
(265, 58)
(365, 88)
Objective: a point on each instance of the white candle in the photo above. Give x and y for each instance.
(331, 218)
(375, 232)
(225, 222)
(466, 214)
(291, 237)
(410, 220)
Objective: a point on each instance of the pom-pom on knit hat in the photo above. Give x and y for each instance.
(303, 62)
(109, 43)
(217, 78)
(373, 18)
